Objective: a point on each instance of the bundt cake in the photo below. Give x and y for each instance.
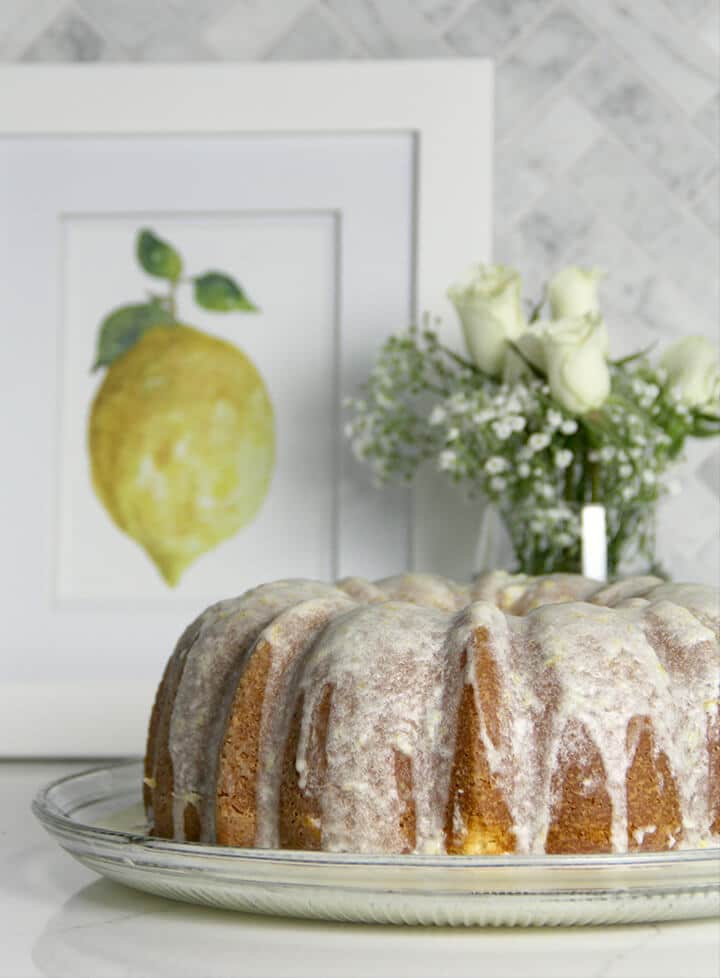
(419, 715)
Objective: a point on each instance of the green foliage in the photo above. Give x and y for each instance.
(220, 293)
(158, 257)
(123, 328)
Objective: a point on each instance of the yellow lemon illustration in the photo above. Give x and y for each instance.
(182, 443)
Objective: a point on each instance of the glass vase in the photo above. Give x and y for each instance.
(545, 540)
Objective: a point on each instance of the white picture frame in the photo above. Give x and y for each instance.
(77, 677)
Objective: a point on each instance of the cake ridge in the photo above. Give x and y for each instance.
(227, 631)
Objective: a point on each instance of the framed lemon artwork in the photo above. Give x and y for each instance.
(181, 431)
(198, 266)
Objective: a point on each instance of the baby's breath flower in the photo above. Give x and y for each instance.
(538, 441)
(569, 426)
(437, 415)
(361, 447)
(496, 464)
(563, 458)
(498, 483)
(502, 430)
(447, 460)
(482, 417)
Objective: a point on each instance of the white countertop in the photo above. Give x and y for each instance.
(58, 919)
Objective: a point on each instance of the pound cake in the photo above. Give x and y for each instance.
(419, 715)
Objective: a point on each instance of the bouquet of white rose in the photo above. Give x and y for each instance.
(538, 418)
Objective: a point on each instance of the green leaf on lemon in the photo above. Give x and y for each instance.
(124, 327)
(219, 292)
(158, 257)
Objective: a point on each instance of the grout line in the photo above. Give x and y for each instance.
(708, 185)
(684, 201)
(526, 32)
(455, 18)
(82, 14)
(544, 103)
(628, 61)
(694, 121)
(680, 203)
(695, 20)
(344, 30)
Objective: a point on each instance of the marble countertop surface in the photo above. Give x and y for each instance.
(58, 919)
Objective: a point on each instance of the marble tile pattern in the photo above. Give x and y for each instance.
(606, 140)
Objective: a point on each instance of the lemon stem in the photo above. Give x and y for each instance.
(172, 301)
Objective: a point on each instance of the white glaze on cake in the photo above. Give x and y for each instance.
(289, 636)
(567, 669)
(389, 666)
(210, 668)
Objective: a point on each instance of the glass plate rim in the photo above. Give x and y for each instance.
(53, 818)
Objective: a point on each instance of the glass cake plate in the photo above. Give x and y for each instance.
(97, 816)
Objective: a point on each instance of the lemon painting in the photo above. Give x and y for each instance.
(181, 431)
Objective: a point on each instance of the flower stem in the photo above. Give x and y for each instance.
(172, 300)
(460, 360)
(537, 308)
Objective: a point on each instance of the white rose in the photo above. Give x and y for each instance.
(488, 303)
(536, 340)
(692, 365)
(573, 291)
(573, 353)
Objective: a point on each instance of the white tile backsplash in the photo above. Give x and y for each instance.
(69, 37)
(390, 28)
(707, 206)
(539, 64)
(653, 128)
(612, 177)
(667, 50)
(250, 27)
(312, 37)
(487, 26)
(707, 120)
